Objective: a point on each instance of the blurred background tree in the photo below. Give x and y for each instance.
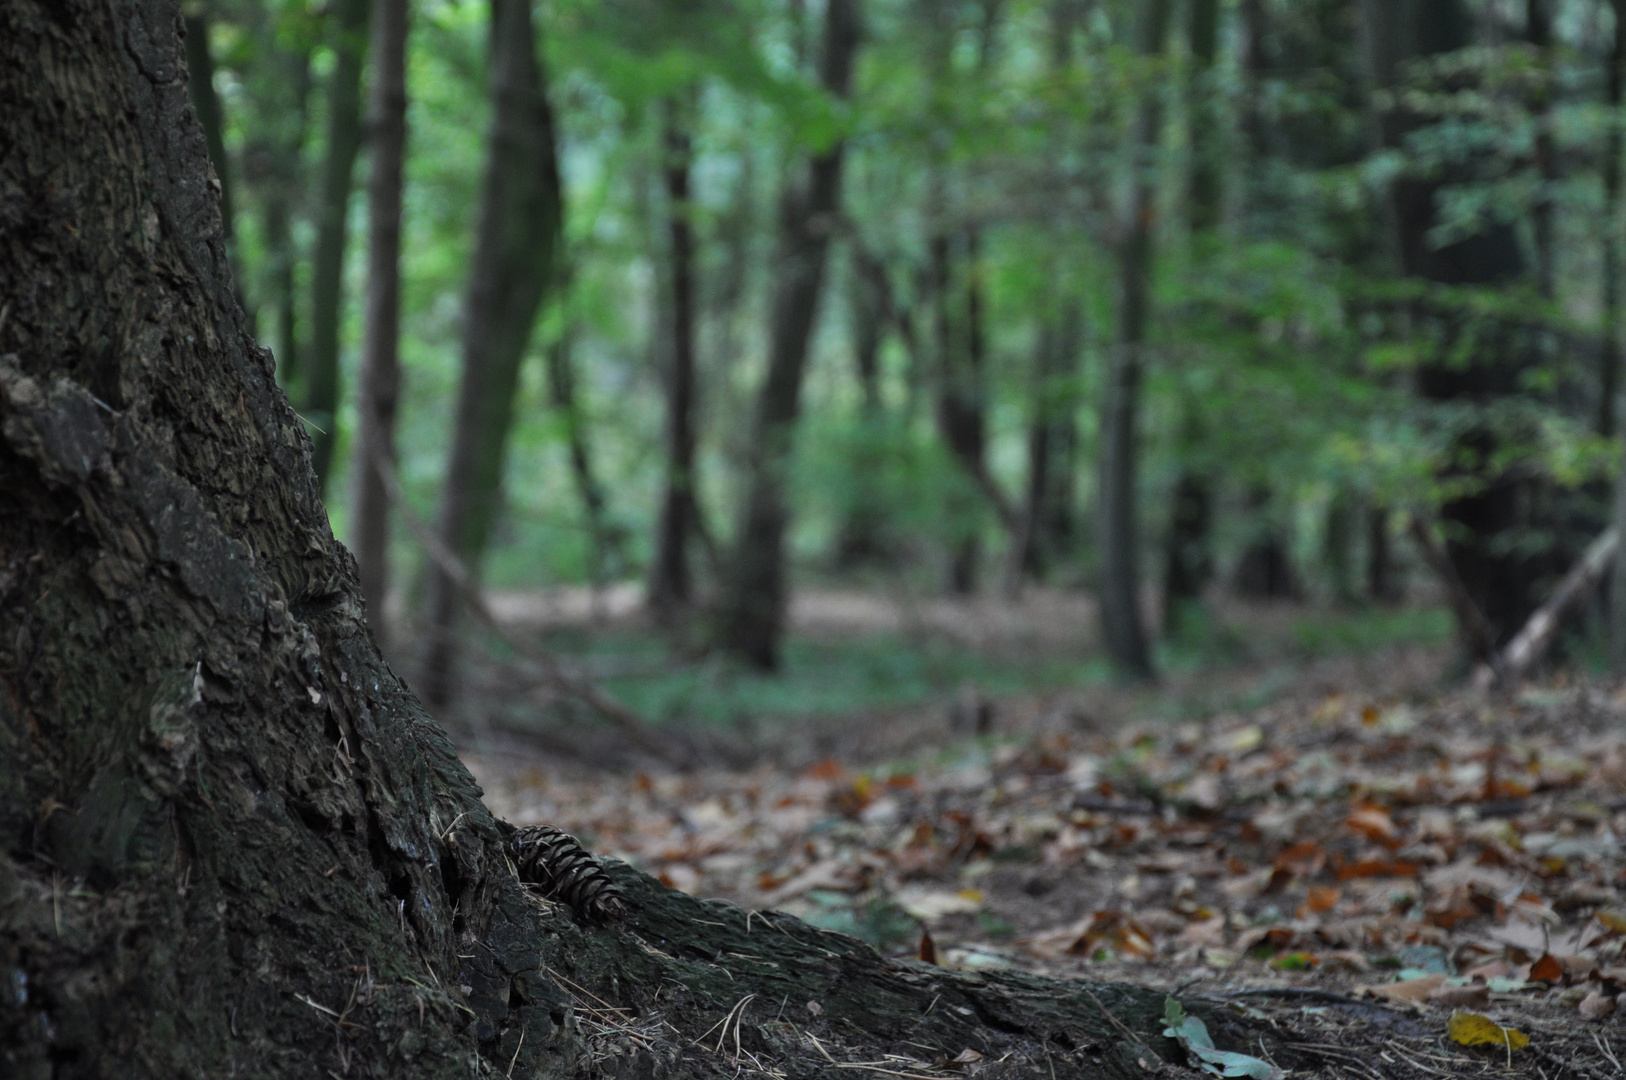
(711, 303)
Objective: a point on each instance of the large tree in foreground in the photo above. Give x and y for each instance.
(231, 840)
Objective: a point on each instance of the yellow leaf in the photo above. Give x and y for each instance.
(971, 895)
(1614, 920)
(1472, 1029)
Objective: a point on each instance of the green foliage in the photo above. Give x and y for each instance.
(1286, 353)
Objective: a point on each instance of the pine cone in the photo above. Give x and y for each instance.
(566, 872)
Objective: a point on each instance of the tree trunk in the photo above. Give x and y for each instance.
(380, 388)
(670, 584)
(1121, 623)
(871, 313)
(278, 85)
(1187, 563)
(514, 264)
(233, 841)
(962, 393)
(1486, 531)
(751, 619)
(608, 539)
(1614, 97)
(1382, 585)
(1609, 380)
(1538, 32)
(1203, 198)
(321, 404)
(1052, 433)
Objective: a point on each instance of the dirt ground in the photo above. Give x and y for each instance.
(1360, 838)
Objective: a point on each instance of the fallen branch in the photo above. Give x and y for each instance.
(1538, 632)
(552, 672)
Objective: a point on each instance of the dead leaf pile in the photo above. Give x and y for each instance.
(1462, 856)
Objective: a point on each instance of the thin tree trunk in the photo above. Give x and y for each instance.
(1121, 622)
(1051, 435)
(344, 133)
(380, 387)
(1608, 406)
(751, 619)
(272, 165)
(671, 586)
(962, 406)
(514, 265)
(1188, 565)
(1203, 199)
(1614, 97)
(1382, 586)
(1539, 33)
(870, 312)
(1187, 562)
(606, 539)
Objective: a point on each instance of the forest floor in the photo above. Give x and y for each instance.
(1300, 825)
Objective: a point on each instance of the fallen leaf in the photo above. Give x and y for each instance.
(1302, 860)
(1192, 1034)
(928, 948)
(1374, 823)
(1322, 898)
(1596, 1006)
(1410, 991)
(965, 1057)
(815, 1008)
(1476, 1029)
(1547, 969)
(1614, 920)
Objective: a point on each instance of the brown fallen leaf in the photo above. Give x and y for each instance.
(1547, 969)
(1321, 899)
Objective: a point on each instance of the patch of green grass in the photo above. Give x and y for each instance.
(835, 677)
(830, 677)
(1364, 630)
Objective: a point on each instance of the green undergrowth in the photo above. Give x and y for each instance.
(828, 677)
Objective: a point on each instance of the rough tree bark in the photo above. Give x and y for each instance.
(670, 585)
(321, 370)
(751, 615)
(514, 264)
(380, 382)
(1121, 622)
(231, 841)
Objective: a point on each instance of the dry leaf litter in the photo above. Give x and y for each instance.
(1460, 859)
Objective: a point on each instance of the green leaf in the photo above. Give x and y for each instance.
(1192, 1033)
